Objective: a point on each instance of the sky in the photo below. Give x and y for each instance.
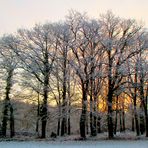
(15, 14)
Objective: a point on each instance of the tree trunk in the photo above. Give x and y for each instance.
(83, 122)
(98, 118)
(83, 113)
(69, 109)
(87, 122)
(92, 130)
(68, 122)
(91, 120)
(95, 124)
(63, 126)
(116, 120)
(64, 113)
(110, 97)
(7, 102)
(59, 119)
(69, 101)
(115, 127)
(95, 116)
(5, 118)
(91, 117)
(38, 116)
(44, 109)
(64, 105)
(44, 115)
(91, 110)
(120, 115)
(146, 125)
(135, 106)
(136, 117)
(45, 93)
(144, 99)
(58, 127)
(110, 116)
(146, 112)
(133, 122)
(143, 106)
(135, 103)
(99, 124)
(142, 124)
(44, 121)
(69, 127)
(12, 129)
(0, 130)
(123, 119)
(37, 127)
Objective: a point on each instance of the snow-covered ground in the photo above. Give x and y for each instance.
(77, 144)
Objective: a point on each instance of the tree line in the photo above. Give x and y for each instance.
(94, 60)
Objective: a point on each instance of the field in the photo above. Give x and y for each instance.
(78, 144)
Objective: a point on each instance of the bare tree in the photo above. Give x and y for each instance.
(105, 58)
(37, 52)
(137, 81)
(142, 65)
(85, 49)
(117, 36)
(63, 37)
(9, 63)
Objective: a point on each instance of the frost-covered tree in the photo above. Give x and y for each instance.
(37, 51)
(85, 50)
(63, 37)
(117, 38)
(142, 71)
(137, 77)
(8, 64)
(100, 60)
